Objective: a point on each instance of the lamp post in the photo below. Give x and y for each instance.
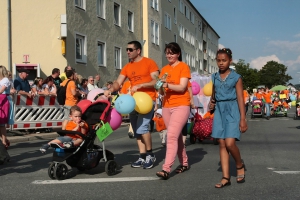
(9, 34)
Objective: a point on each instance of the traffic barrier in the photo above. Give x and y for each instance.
(38, 112)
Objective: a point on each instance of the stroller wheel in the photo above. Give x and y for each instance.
(61, 171)
(51, 171)
(192, 138)
(111, 167)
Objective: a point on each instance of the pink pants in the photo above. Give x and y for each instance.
(175, 118)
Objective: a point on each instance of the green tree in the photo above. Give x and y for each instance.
(249, 75)
(274, 73)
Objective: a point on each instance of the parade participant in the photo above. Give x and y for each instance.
(74, 124)
(176, 108)
(229, 115)
(268, 101)
(142, 73)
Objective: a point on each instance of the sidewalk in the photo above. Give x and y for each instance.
(15, 138)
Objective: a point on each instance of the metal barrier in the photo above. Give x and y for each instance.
(38, 112)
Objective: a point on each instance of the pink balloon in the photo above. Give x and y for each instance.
(94, 92)
(195, 88)
(114, 119)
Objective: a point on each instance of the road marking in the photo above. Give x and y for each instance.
(287, 172)
(95, 180)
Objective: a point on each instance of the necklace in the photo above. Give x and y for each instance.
(224, 79)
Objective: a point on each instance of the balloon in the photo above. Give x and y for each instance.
(114, 119)
(195, 88)
(144, 102)
(125, 104)
(293, 103)
(94, 92)
(207, 89)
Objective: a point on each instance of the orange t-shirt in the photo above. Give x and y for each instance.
(267, 97)
(286, 92)
(285, 104)
(160, 124)
(208, 115)
(140, 72)
(71, 100)
(172, 98)
(246, 96)
(125, 88)
(71, 125)
(189, 84)
(259, 95)
(276, 104)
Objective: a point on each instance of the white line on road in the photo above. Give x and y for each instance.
(95, 180)
(287, 172)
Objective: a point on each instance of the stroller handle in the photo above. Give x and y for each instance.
(64, 132)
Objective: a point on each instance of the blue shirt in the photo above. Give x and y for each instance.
(20, 84)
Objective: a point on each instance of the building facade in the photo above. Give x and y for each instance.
(92, 35)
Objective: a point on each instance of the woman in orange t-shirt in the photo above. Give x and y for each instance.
(176, 108)
(267, 96)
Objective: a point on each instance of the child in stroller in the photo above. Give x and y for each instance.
(75, 124)
(87, 155)
(280, 107)
(257, 108)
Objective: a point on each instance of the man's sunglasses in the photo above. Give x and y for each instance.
(130, 49)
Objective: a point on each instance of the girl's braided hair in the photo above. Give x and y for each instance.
(225, 50)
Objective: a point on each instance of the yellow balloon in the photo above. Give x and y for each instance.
(293, 103)
(143, 102)
(207, 89)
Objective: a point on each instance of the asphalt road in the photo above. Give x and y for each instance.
(270, 150)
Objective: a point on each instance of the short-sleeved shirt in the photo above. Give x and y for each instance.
(38, 89)
(172, 98)
(160, 124)
(57, 81)
(140, 72)
(20, 84)
(63, 76)
(6, 83)
(71, 125)
(71, 100)
(126, 87)
(268, 97)
(51, 89)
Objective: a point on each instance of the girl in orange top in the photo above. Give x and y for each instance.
(176, 108)
(75, 124)
(160, 126)
(267, 95)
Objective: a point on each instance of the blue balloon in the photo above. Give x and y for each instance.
(292, 97)
(125, 104)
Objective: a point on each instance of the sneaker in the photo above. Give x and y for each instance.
(149, 162)
(139, 163)
(68, 144)
(44, 148)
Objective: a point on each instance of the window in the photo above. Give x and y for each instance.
(187, 12)
(80, 4)
(130, 21)
(101, 8)
(117, 14)
(181, 9)
(80, 48)
(117, 57)
(154, 32)
(154, 4)
(168, 21)
(101, 49)
(175, 38)
(200, 25)
(175, 16)
(192, 18)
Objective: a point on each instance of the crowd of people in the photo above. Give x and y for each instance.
(171, 102)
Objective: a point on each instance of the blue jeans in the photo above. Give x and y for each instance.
(267, 105)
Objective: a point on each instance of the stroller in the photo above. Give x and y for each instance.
(297, 114)
(257, 108)
(87, 155)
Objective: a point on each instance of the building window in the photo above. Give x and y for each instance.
(101, 8)
(101, 49)
(187, 12)
(175, 15)
(117, 14)
(175, 38)
(154, 4)
(130, 21)
(80, 48)
(181, 7)
(192, 18)
(80, 4)
(154, 32)
(117, 57)
(168, 21)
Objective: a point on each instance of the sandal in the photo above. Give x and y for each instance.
(241, 176)
(182, 169)
(221, 185)
(163, 174)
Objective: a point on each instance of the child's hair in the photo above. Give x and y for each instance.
(226, 51)
(3, 71)
(37, 80)
(75, 108)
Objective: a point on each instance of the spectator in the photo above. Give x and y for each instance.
(107, 85)
(63, 76)
(55, 75)
(72, 93)
(97, 80)
(21, 84)
(49, 86)
(36, 87)
(91, 84)
(78, 81)
(84, 87)
(10, 99)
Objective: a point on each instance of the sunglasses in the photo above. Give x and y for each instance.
(130, 49)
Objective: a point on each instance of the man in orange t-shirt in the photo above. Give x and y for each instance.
(142, 73)
(267, 97)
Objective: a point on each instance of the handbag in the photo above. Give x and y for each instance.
(202, 127)
(103, 131)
